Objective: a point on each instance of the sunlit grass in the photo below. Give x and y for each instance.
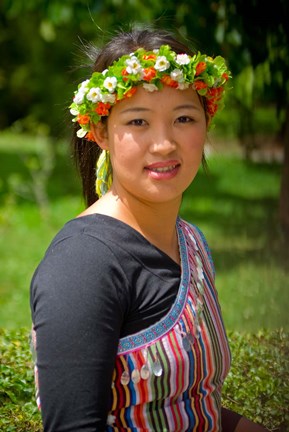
(236, 206)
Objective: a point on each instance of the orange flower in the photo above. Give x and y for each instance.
(201, 67)
(166, 79)
(83, 119)
(89, 136)
(199, 85)
(225, 76)
(149, 74)
(124, 72)
(102, 109)
(130, 92)
(149, 57)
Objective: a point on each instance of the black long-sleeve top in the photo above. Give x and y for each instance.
(100, 280)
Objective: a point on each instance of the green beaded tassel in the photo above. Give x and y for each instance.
(103, 174)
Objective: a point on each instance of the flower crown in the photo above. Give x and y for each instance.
(152, 70)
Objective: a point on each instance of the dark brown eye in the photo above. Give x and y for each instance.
(137, 122)
(184, 119)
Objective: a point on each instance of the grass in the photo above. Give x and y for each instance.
(235, 205)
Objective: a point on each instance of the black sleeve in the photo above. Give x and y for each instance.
(78, 305)
(230, 419)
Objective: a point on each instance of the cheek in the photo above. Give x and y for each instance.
(197, 141)
(123, 151)
(126, 147)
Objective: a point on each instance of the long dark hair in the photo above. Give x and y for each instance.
(85, 152)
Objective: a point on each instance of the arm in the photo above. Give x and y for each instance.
(77, 316)
(233, 422)
(245, 425)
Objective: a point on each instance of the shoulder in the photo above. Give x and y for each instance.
(87, 240)
(81, 258)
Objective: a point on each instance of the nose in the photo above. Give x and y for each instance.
(163, 141)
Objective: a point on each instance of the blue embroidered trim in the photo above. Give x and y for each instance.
(162, 327)
(208, 250)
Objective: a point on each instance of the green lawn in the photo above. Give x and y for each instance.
(235, 205)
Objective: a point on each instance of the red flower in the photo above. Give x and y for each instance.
(211, 108)
(83, 119)
(225, 76)
(215, 93)
(201, 67)
(149, 73)
(166, 79)
(102, 109)
(199, 85)
(130, 92)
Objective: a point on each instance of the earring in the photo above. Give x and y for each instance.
(103, 174)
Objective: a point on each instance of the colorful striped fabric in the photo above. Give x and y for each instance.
(160, 383)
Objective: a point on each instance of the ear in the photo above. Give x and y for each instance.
(99, 132)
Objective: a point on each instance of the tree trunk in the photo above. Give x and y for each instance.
(284, 193)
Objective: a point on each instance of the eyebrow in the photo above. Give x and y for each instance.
(134, 109)
(142, 109)
(186, 106)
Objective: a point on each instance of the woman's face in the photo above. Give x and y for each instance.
(156, 142)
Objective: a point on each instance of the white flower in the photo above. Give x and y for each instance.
(82, 90)
(94, 95)
(108, 98)
(83, 85)
(183, 85)
(177, 75)
(81, 133)
(150, 87)
(74, 111)
(183, 59)
(133, 65)
(162, 63)
(78, 98)
(110, 84)
(104, 72)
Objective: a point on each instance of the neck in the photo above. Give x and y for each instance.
(156, 222)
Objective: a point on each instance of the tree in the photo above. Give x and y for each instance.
(256, 37)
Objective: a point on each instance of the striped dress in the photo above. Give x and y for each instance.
(169, 376)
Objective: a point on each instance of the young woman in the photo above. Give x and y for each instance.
(128, 328)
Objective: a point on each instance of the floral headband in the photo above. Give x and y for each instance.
(151, 69)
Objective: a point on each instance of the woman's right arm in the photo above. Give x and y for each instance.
(234, 422)
(246, 425)
(77, 309)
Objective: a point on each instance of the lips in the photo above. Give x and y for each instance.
(163, 170)
(163, 166)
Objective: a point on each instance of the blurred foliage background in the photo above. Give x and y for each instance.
(41, 57)
(242, 204)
